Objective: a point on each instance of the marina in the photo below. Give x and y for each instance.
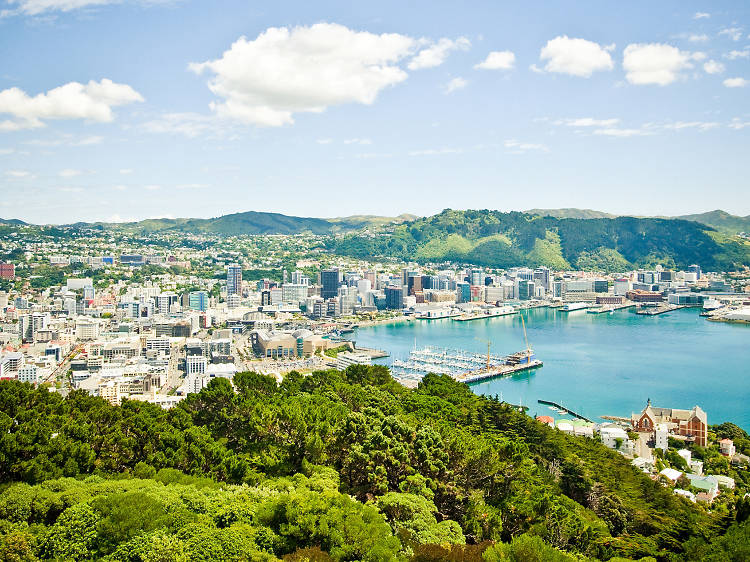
(462, 366)
(588, 366)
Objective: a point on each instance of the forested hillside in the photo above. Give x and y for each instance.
(495, 239)
(342, 466)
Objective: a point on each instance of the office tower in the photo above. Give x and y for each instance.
(234, 280)
(198, 300)
(695, 269)
(330, 281)
(394, 298)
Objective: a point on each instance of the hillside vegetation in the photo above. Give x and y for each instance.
(334, 466)
(495, 239)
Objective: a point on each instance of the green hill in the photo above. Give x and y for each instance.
(570, 213)
(721, 220)
(496, 239)
(334, 466)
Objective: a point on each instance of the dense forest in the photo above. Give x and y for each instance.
(333, 466)
(496, 239)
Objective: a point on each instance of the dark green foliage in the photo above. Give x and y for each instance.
(348, 465)
(495, 239)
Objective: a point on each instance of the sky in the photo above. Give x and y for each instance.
(120, 110)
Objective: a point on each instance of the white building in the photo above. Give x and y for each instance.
(87, 329)
(195, 365)
(615, 438)
(685, 454)
(346, 358)
(661, 436)
(28, 373)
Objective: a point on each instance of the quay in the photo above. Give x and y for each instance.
(654, 310)
(373, 353)
(609, 308)
(566, 410)
(501, 371)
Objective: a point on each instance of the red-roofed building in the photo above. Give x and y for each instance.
(546, 420)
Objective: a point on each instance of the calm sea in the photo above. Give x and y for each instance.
(600, 364)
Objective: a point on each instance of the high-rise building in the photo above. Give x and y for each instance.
(330, 279)
(234, 280)
(198, 300)
(394, 298)
(463, 292)
(695, 269)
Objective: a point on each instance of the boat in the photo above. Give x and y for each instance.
(573, 306)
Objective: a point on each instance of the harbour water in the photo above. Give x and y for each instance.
(599, 364)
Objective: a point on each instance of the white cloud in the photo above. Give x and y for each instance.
(457, 83)
(39, 7)
(733, 55)
(734, 33)
(435, 151)
(698, 38)
(518, 147)
(284, 71)
(738, 124)
(66, 140)
(616, 132)
(713, 67)
(700, 125)
(656, 63)
(577, 57)
(93, 101)
(701, 15)
(188, 124)
(435, 54)
(192, 186)
(18, 174)
(587, 122)
(498, 60)
(120, 187)
(126, 171)
(69, 173)
(6, 151)
(735, 82)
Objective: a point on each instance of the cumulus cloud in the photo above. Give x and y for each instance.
(701, 15)
(576, 57)
(656, 63)
(18, 174)
(734, 33)
(735, 82)
(738, 124)
(283, 71)
(498, 60)
(457, 83)
(435, 54)
(713, 67)
(93, 101)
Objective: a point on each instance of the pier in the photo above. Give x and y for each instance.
(654, 310)
(566, 410)
(373, 353)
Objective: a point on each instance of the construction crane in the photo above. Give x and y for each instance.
(526, 339)
(488, 342)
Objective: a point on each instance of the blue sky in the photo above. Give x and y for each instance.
(119, 110)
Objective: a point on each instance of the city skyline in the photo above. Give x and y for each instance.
(108, 113)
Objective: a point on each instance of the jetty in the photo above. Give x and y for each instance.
(565, 409)
(654, 310)
(373, 353)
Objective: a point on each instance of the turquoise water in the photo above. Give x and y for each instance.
(600, 364)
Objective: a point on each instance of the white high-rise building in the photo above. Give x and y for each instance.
(234, 279)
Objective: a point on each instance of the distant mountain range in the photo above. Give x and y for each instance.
(496, 239)
(720, 220)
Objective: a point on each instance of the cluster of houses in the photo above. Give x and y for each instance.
(655, 426)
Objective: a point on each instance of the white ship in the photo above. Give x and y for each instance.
(572, 306)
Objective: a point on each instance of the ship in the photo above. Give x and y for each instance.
(573, 306)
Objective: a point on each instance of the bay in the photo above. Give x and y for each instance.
(599, 364)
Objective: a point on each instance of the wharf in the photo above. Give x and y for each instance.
(501, 371)
(567, 410)
(617, 419)
(373, 353)
(480, 316)
(653, 311)
(609, 308)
